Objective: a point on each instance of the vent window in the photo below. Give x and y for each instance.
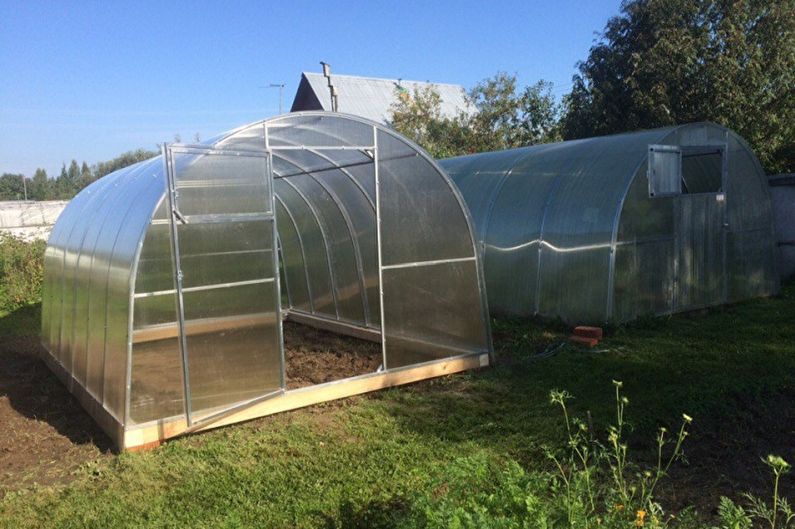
(702, 170)
(692, 169)
(665, 170)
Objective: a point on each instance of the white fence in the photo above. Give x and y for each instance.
(30, 219)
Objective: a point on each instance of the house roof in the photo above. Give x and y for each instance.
(369, 97)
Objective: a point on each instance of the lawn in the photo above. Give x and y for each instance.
(455, 449)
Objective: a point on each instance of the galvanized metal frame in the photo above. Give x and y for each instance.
(303, 253)
(175, 216)
(148, 169)
(351, 232)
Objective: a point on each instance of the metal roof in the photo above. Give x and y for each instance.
(369, 97)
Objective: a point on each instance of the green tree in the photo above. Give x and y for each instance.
(418, 116)
(499, 117)
(11, 187)
(507, 118)
(663, 62)
(121, 161)
(40, 186)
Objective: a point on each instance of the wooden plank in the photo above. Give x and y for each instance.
(299, 398)
(203, 326)
(339, 327)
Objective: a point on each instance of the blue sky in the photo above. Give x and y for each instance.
(90, 80)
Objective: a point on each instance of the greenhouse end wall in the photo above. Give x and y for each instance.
(162, 310)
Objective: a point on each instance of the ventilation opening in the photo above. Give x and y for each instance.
(702, 170)
(685, 170)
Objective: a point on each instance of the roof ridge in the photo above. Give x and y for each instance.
(385, 79)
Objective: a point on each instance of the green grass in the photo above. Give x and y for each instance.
(406, 456)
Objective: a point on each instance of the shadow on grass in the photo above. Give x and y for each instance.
(373, 515)
(33, 391)
(731, 368)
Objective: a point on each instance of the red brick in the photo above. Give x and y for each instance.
(583, 340)
(589, 332)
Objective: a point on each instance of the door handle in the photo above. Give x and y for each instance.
(179, 216)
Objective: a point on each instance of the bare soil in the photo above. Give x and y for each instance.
(314, 356)
(45, 435)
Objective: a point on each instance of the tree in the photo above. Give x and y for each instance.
(418, 116)
(506, 118)
(121, 161)
(498, 117)
(663, 62)
(40, 188)
(11, 187)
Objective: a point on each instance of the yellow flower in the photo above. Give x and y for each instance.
(619, 507)
(640, 516)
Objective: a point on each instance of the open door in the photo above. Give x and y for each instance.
(225, 266)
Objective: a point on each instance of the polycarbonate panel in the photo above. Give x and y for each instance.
(575, 284)
(156, 389)
(124, 249)
(225, 252)
(220, 184)
(317, 258)
(319, 130)
(296, 280)
(644, 216)
(515, 228)
(432, 312)
(232, 344)
(479, 179)
(339, 237)
(644, 279)
(361, 213)
(80, 328)
(418, 226)
(155, 268)
(225, 255)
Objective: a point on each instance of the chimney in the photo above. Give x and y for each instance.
(331, 88)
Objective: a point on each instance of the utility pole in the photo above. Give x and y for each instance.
(280, 86)
(25, 187)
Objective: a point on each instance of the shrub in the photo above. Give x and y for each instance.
(21, 272)
(591, 484)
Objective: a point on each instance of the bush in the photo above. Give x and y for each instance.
(21, 272)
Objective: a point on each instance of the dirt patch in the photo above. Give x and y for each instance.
(44, 433)
(725, 458)
(314, 356)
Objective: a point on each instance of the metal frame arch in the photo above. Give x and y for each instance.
(303, 250)
(351, 234)
(324, 236)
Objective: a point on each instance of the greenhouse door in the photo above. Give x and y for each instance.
(226, 274)
(700, 264)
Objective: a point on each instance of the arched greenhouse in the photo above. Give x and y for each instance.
(166, 282)
(611, 228)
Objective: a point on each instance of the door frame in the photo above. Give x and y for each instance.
(175, 216)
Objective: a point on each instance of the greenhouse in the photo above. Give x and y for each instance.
(167, 282)
(611, 228)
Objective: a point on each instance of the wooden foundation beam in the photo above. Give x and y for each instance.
(149, 434)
